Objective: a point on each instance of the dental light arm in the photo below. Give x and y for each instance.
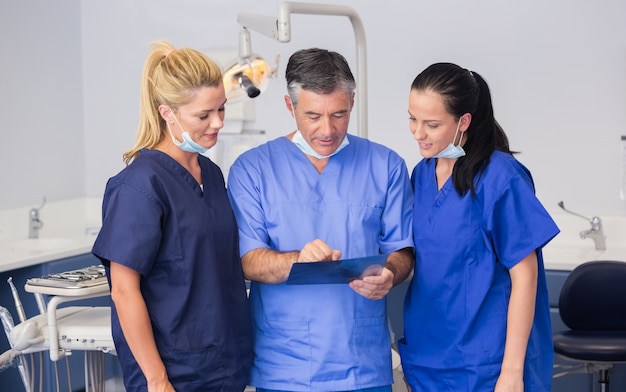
(280, 30)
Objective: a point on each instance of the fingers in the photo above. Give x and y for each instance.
(374, 287)
(318, 250)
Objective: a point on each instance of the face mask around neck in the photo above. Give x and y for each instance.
(299, 141)
(452, 151)
(187, 144)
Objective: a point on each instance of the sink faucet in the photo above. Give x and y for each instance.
(34, 222)
(596, 233)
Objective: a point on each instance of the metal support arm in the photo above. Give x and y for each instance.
(280, 30)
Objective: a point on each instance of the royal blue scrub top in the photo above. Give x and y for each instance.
(183, 242)
(455, 310)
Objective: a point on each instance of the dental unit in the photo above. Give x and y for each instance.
(61, 330)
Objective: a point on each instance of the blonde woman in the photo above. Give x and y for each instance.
(180, 316)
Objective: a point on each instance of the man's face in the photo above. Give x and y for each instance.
(323, 118)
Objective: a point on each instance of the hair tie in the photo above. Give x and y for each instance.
(170, 52)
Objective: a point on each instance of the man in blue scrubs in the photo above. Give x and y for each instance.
(319, 194)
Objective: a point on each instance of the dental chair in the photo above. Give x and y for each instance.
(592, 304)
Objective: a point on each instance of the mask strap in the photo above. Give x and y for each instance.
(177, 122)
(458, 125)
(170, 129)
(176, 142)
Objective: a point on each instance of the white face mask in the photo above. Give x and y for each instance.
(299, 141)
(187, 144)
(452, 151)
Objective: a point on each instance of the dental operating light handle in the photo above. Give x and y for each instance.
(280, 30)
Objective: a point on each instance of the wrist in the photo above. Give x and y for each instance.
(156, 377)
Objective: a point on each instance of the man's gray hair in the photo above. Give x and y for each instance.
(318, 70)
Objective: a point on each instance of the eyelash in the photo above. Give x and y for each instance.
(222, 109)
(430, 126)
(336, 117)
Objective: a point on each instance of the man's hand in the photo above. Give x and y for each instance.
(374, 287)
(318, 250)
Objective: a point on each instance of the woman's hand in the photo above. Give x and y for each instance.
(509, 384)
(160, 386)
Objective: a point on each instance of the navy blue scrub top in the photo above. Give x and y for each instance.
(183, 241)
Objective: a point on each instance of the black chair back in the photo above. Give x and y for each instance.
(594, 297)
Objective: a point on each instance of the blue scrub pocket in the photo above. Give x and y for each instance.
(286, 350)
(373, 344)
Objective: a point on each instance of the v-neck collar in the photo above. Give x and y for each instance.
(177, 168)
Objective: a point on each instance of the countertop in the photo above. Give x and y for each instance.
(69, 229)
(71, 226)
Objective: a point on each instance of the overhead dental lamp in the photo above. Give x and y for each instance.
(250, 75)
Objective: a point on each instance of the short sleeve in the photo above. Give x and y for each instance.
(131, 228)
(397, 216)
(518, 223)
(245, 199)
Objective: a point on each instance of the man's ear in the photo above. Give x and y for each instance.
(289, 105)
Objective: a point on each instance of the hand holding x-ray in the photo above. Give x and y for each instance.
(318, 250)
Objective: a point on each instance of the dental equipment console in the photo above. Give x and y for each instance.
(61, 330)
(596, 233)
(75, 279)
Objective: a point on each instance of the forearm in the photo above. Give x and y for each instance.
(135, 322)
(268, 266)
(137, 329)
(400, 263)
(520, 314)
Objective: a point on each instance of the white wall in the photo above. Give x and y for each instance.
(42, 150)
(557, 71)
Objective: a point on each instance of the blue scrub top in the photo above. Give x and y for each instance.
(183, 241)
(321, 337)
(455, 311)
